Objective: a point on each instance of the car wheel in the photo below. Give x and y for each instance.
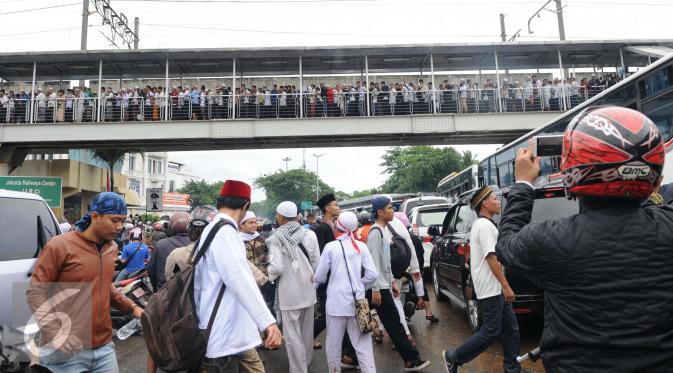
(472, 311)
(435, 284)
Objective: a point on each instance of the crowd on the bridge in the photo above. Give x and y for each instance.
(287, 101)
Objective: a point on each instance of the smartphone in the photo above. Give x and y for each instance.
(547, 146)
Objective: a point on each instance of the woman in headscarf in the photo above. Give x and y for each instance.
(344, 259)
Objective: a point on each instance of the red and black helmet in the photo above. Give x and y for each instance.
(612, 152)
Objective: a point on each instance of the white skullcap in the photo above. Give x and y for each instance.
(287, 209)
(65, 227)
(347, 222)
(248, 215)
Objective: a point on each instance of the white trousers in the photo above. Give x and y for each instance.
(362, 343)
(298, 335)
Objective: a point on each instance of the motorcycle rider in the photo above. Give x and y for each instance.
(606, 272)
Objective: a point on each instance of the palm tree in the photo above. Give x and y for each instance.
(112, 157)
(468, 158)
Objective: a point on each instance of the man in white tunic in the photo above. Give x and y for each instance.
(242, 314)
(343, 259)
(295, 255)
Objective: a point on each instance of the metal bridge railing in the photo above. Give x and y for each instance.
(127, 108)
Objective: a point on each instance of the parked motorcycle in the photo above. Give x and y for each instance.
(17, 350)
(138, 288)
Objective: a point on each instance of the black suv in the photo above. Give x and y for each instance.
(450, 258)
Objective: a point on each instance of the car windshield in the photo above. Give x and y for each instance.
(423, 202)
(432, 217)
(553, 208)
(19, 227)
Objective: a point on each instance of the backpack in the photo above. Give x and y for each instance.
(400, 253)
(170, 322)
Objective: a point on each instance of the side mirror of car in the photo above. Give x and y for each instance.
(433, 230)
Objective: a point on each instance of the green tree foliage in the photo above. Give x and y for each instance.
(149, 217)
(201, 192)
(365, 192)
(294, 185)
(420, 168)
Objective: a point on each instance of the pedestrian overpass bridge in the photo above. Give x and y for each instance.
(241, 120)
(433, 129)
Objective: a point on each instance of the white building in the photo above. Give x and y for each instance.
(177, 176)
(146, 171)
(154, 170)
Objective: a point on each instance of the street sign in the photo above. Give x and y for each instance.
(155, 199)
(306, 205)
(48, 188)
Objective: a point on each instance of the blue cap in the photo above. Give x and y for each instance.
(377, 204)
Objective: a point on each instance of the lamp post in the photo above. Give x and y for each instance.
(317, 177)
(286, 160)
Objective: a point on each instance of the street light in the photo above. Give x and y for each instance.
(317, 177)
(286, 159)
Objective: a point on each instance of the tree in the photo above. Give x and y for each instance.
(293, 185)
(420, 168)
(201, 192)
(342, 196)
(111, 157)
(365, 192)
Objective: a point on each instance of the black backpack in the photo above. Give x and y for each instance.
(400, 253)
(170, 323)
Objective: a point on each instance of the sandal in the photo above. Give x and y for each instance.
(432, 318)
(378, 336)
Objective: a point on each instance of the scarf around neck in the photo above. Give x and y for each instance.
(287, 237)
(246, 237)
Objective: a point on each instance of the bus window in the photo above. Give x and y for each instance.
(660, 110)
(506, 174)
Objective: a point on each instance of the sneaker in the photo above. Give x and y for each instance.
(417, 365)
(450, 364)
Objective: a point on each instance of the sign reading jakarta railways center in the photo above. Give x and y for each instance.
(48, 188)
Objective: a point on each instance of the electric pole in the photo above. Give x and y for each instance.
(559, 15)
(136, 30)
(317, 177)
(85, 23)
(503, 34)
(286, 160)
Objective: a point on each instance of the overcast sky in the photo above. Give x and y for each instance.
(251, 23)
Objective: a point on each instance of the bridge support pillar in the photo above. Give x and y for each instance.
(11, 158)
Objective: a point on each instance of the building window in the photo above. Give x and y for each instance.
(159, 167)
(171, 186)
(132, 162)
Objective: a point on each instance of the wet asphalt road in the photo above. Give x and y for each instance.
(431, 339)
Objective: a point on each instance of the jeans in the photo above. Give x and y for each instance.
(500, 323)
(99, 360)
(123, 275)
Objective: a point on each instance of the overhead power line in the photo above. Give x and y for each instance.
(37, 9)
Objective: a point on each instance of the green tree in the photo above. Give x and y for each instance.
(365, 192)
(341, 196)
(201, 192)
(111, 158)
(420, 168)
(293, 185)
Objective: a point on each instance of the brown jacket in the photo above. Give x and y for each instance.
(72, 261)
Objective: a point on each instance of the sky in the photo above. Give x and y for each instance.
(265, 23)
